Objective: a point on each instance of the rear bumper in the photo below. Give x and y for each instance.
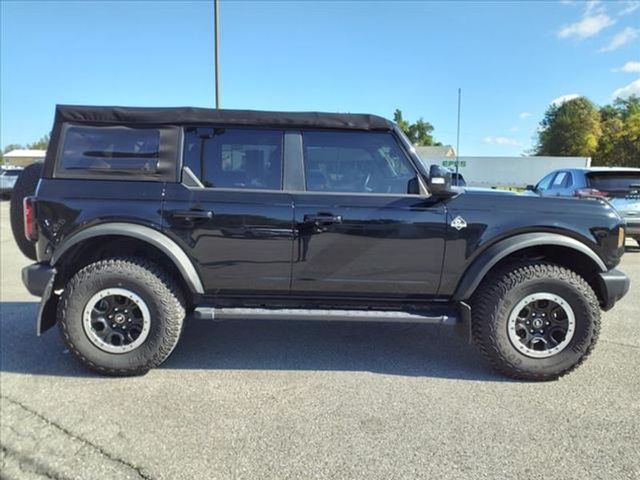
(615, 286)
(36, 277)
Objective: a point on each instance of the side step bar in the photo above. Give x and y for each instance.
(416, 316)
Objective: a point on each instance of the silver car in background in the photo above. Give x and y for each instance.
(620, 186)
(8, 177)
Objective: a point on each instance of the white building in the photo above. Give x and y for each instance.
(23, 157)
(500, 171)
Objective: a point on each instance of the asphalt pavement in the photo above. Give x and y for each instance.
(296, 400)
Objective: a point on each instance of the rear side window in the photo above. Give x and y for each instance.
(235, 157)
(561, 180)
(110, 149)
(355, 162)
(118, 152)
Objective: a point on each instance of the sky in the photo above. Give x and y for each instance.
(511, 60)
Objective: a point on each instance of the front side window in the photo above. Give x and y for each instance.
(110, 149)
(545, 183)
(235, 158)
(355, 162)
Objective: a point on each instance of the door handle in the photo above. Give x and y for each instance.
(323, 218)
(189, 215)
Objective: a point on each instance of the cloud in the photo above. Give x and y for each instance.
(524, 115)
(620, 39)
(514, 129)
(563, 98)
(629, 67)
(630, 8)
(625, 92)
(594, 6)
(588, 26)
(501, 141)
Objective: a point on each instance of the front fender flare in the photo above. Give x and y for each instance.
(476, 272)
(147, 234)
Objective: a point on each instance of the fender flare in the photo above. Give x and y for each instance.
(478, 269)
(147, 234)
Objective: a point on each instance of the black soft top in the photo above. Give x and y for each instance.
(192, 115)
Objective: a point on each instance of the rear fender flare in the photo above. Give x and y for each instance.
(158, 239)
(476, 272)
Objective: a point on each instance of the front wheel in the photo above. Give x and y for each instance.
(535, 322)
(121, 316)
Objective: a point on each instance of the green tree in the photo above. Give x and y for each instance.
(570, 129)
(419, 133)
(11, 146)
(41, 144)
(619, 144)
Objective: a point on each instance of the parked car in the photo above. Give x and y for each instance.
(8, 177)
(619, 186)
(146, 216)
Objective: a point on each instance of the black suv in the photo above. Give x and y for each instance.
(143, 217)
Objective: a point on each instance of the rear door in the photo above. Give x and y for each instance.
(230, 213)
(362, 228)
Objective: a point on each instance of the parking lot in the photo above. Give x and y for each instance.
(313, 400)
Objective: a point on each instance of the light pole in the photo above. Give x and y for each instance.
(216, 16)
(458, 138)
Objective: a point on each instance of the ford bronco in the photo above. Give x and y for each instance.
(143, 217)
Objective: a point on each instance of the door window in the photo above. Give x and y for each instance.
(355, 162)
(544, 183)
(561, 180)
(235, 158)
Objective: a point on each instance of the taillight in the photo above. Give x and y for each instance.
(29, 215)
(589, 192)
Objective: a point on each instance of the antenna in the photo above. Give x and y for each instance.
(216, 15)
(458, 138)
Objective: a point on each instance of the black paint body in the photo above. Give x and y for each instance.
(304, 248)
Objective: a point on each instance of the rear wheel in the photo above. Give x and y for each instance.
(25, 186)
(121, 316)
(535, 322)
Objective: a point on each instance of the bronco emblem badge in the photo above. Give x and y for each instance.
(458, 223)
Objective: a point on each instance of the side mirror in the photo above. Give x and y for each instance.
(440, 181)
(531, 188)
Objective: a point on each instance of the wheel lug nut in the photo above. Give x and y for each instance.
(532, 331)
(547, 323)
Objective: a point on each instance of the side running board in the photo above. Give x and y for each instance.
(416, 316)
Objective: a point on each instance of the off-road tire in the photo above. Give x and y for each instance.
(502, 290)
(25, 186)
(161, 294)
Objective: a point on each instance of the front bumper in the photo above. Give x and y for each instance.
(615, 285)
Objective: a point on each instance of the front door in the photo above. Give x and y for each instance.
(359, 232)
(230, 213)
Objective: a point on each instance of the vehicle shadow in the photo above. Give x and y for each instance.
(386, 348)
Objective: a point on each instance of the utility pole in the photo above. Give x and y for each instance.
(216, 17)
(458, 137)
